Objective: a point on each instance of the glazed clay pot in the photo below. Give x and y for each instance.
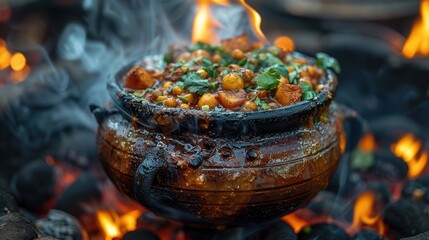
(220, 168)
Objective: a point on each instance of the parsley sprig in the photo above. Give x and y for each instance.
(324, 61)
(269, 79)
(195, 84)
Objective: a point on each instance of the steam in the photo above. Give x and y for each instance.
(74, 72)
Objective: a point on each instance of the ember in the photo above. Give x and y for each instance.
(417, 43)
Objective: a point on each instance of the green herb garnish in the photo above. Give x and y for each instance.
(207, 47)
(324, 61)
(261, 104)
(183, 99)
(195, 84)
(269, 79)
(305, 87)
(310, 95)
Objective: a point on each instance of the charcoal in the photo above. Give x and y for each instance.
(85, 190)
(61, 225)
(140, 234)
(367, 235)
(328, 203)
(407, 217)
(34, 186)
(46, 238)
(421, 236)
(387, 166)
(323, 231)
(278, 230)
(15, 226)
(381, 191)
(7, 203)
(417, 189)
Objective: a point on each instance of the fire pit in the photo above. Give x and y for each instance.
(52, 183)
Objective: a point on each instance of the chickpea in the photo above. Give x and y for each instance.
(250, 106)
(156, 93)
(284, 80)
(232, 81)
(190, 97)
(290, 69)
(184, 69)
(170, 102)
(184, 57)
(247, 74)
(209, 100)
(273, 104)
(216, 58)
(184, 106)
(200, 53)
(237, 54)
(177, 90)
(167, 84)
(311, 71)
(234, 66)
(203, 73)
(161, 98)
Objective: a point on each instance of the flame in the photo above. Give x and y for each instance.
(115, 226)
(4, 55)
(417, 42)
(204, 26)
(410, 150)
(364, 214)
(297, 223)
(367, 143)
(285, 43)
(17, 61)
(255, 20)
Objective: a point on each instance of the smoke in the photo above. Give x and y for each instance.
(74, 66)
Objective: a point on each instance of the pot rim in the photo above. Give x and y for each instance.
(125, 100)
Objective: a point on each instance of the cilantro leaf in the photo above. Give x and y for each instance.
(269, 79)
(268, 59)
(324, 61)
(207, 47)
(195, 84)
(261, 104)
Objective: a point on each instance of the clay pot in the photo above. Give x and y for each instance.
(220, 168)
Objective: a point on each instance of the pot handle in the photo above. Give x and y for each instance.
(353, 124)
(101, 113)
(143, 181)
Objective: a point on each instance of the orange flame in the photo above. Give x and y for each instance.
(285, 43)
(115, 226)
(4, 55)
(367, 143)
(17, 61)
(205, 25)
(255, 20)
(297, 223)
(364, 215)
(418, 41)
(410, 150)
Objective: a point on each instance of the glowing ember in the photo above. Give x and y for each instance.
(285, 43)
(367, 143)
(4, 56)
(410, 150)
(107, 222)
(365, 214)
(205, 25)
(297, 223)
(418, 41)
(115, 226)
(17, 61)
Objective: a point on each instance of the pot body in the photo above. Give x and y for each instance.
(217, 181)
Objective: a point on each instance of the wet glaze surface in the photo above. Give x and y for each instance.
(221, 181)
